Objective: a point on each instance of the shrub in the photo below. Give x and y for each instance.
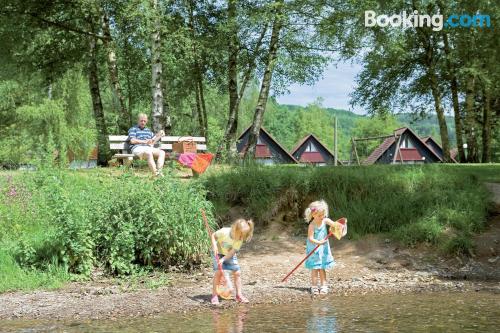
(120, 223)
(413, 203)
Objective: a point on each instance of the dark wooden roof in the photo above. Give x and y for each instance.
(384, 146)
(311, 157)
(375, 155)
(262, 129)
(429, 141)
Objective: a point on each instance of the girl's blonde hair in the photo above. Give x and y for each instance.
(315, 206)
(237, 226)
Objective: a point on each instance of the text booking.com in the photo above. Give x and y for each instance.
(436, 21)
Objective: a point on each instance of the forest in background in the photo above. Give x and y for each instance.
(74, 72)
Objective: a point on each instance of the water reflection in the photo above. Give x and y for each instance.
(229, 321)
(433, 312)
(322, 319)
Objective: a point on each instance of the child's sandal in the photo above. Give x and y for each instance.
(242, 299)
(323, 290)
(315, 290)
(215, 300)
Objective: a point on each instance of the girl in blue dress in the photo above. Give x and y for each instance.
(317, 217)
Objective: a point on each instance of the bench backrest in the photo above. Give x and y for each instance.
(117, 142)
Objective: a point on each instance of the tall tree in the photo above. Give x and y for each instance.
(236, 66)
(266, 80)
(428, 43)
(125, 118)
(451, 75)
(161, 118)
(100, 122)
(201, 108)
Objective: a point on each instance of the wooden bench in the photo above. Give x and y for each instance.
(117, 144)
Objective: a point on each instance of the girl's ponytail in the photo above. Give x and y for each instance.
(308, 215)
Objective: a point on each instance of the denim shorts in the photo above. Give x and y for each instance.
(229, 264)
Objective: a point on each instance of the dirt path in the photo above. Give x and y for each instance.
(370, 265)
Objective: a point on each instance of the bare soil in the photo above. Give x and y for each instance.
(369, 265)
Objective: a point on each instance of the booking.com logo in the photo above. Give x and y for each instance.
(414, 19)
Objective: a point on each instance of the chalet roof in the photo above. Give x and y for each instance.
(272, 139)
(304, 140)
(427, 139)
(400, 130)
(375, 155)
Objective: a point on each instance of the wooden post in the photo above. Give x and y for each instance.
(350, 153)
(335, 150)
(355, 150)
(398, 142)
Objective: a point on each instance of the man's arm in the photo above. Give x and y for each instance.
(132, 134)
(136, 141)
(158, 136)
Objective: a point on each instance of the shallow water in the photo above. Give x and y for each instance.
(429, 312)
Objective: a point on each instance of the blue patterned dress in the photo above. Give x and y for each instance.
(322, 257)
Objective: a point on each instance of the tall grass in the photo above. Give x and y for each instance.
(15, 277)
(72, 222)
(430, 203)
(56, 225)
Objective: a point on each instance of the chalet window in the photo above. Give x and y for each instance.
(311, 147)
(406, 143)
(259, 141)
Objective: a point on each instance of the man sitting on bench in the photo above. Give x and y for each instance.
(141, 141)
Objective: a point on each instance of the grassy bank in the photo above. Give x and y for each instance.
(439, 204)
(63, 224)
(60, 225)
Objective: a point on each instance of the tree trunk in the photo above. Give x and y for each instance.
(454, 97)
(203, 105)
(161, 120)
(429, 59)
(199, 112)
(443, 129)
(486, 156)
(266, 82)
(458, 118)
(49, 91)
(471, 125)
(197, 75)
(452, 78)
(228, 142)
(102, 132)
(125, 118)
(232, 80)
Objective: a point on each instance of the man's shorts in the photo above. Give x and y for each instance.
(141, 150)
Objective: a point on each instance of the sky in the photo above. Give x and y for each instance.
(334, 88)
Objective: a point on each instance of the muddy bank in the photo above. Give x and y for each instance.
(370, 265)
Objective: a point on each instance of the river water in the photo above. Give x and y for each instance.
(424, 312)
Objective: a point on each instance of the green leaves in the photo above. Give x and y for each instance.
(122, 224)
(414, 204)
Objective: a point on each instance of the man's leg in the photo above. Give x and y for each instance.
(144, 152)
(160, 155)
(151, 161)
